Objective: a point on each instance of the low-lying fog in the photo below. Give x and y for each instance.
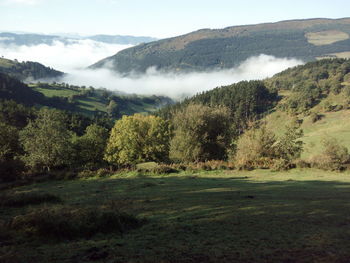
(74, 57)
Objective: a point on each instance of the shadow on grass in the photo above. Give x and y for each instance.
(221, 219)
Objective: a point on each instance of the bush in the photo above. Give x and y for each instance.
(255, 149)
(333, 157)
(67, 223)
(10, 170)
(280, 165)
(86, 174)
(315, 117)
(103, 172)
(302, 164)
(146, 167)
(164, 169)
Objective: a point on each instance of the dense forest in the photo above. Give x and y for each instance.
(226, 48)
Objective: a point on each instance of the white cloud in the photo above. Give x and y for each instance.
(178, 85)
(65, 57)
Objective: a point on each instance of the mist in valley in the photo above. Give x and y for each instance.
(74, 57)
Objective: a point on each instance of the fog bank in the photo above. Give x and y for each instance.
(178, 85)
(76, 54)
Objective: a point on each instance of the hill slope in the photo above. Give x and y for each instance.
(316, 95)
(27, 71)
(88, 101)
(224, 48)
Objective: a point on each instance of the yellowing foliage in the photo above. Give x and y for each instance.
(138, 138)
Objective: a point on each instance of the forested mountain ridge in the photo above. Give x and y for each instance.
(209, 49)
(28, 71)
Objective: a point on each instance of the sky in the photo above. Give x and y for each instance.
(156, 18)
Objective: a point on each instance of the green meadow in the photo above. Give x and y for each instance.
(301, 215)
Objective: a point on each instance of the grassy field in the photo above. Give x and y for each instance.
(326, 37)
(217, 216)
(91, 104)
(58, 92)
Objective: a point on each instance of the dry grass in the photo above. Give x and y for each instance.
(326, 37)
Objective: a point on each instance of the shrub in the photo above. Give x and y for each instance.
(333, 157)
(315, 117)
(67, 223)
(103, 172)
(86, 174)
(254, 148)
(10, 170)
(146, 167)
(164, 169)
(302, 164)
(280, 165)
(259, 148)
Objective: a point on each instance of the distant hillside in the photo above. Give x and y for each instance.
(36, 39)
(27, 71)
(88, 101)
(208, 49)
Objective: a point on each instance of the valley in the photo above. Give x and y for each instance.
(219, 145)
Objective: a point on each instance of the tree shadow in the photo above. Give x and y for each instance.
(211, 219)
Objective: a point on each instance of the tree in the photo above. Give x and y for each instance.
(113, 109)
(90, 147)
(260, 148)
(46, 141)
(138, 138)
(9, 151)
(255, 148)
(289, 147)
(200, 133)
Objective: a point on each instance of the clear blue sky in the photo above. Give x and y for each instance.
(158, 18)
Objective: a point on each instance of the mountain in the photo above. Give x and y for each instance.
(8, 38)
(209, 49)
(27, 71)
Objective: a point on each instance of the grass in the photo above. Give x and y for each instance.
(58, 92)
(218, 216)
(6, 63)
(334, 124)
(326, 37)
(89, 105)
